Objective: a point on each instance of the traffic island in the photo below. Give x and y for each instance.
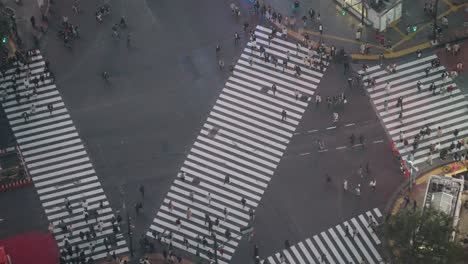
(436, 197)
(13, 173)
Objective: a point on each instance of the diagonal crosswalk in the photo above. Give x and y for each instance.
(353, 241)
(81, 218)
(422, 108)
(226, 172)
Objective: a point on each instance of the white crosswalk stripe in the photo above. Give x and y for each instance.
(336, 245)
(420, 109)
(58, 164)
(243, 140)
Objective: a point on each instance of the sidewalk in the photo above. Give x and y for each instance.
(402, 43)
(418, 192)
(23, 14)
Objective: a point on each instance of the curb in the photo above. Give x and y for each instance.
(15, 184)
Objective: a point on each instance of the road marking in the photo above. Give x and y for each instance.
(357, 145)
(303, 154)
(325, 150)
(343, 147)
(333, 127)
(311, 131)
(351, 124)
(378, 141)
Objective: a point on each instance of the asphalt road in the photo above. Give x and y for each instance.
(138, 128)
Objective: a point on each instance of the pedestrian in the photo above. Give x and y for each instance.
(189, 213)
(50, 107)
(283, 115)
(429, 157)
(221, 64)
(358, 190)
(170, 206)
(345, 185)
(191, 195)
(142, 190)
(296, 94)
(243, 202)
(372, 184)
(25, 116)
(227, 179)
(273, 89)
(225, 213)
(33, 22)
(327, 178)
(419, 86)
(455, 132)
(311, 14)
(321, 29)
(178, 223)
(418, 53)
(208, 198)
(386, 105)
(236, 38)
(388, 86)
(105, 76)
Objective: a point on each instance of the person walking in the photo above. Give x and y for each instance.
(358, 190)
(243, 202)
(273, 89)
(50, 107)
(227, 179)
(372, 184)
(33, 22)
(321, 29)
(283, 115)
(208, 198)
(236, 38)
(345, 185)
(142, 191)
(386, 105)
(221, 64)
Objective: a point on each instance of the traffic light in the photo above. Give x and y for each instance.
(415, 28)
(4, 39)
(343, 12)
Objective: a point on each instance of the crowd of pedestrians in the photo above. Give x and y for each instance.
(88, 236)
(23, 84)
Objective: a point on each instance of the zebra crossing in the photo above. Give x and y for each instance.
(421, 109)
(353, 241)
(70, 192)
(226, 172)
